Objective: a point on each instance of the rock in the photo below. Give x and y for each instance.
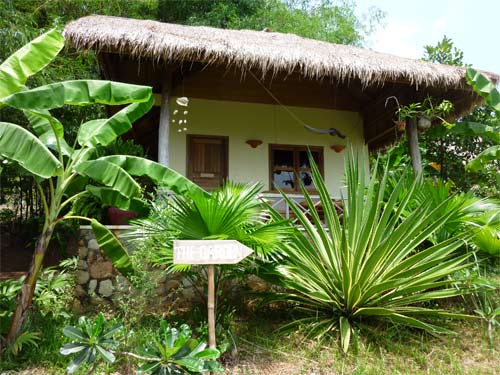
(122, 283)
(82, 265)
(76, 306)
(96, 301)
(92, 286)
(82, 252)
(172, 284)
(189, 293)
(81, 243)
(80, 292)
(101, 270)
(162, 278)
(93, 245)
(106, 288)
(82, 277)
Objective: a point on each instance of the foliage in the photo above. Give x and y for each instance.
(370, 265)
(444, 52)
(168, 351)
(92, 340)
(233, 211)
(174, 351)
(450, 148)
(484, 87)
(67, 170)
(329, 20)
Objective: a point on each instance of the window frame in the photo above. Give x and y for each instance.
(296, 149)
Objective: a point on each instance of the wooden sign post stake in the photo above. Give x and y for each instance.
(211, 306)
(210, 252)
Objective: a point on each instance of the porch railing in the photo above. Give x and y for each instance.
(277, 202)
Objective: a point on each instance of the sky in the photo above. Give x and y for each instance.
(409, 25)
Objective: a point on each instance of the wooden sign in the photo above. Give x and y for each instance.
(209, 251)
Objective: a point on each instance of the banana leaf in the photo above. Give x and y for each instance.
(20, 145)
(484, 87)
(490, 154)
(111, 175)
(78, 92)
(105, 131)
(113, 249)
(29, 60)
(114, 198)
(159, 174)
(50, 132)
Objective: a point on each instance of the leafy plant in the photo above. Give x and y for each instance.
(169, 351)
(374, 263)
(92, 341)
(65, 169)
(26, 338)
(174, 351)
(485, 88)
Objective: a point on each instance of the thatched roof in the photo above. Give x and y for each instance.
(269, 52)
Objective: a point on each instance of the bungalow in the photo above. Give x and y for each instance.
(246, 105)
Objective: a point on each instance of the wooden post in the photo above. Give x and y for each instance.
(412, 134)
(164, 127)
(211, 307)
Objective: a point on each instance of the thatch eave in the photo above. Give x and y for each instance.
(268, 52)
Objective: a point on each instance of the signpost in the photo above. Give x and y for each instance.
(210, 252)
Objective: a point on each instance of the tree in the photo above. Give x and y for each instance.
(452, 148)
(328, 20)
(71, 171)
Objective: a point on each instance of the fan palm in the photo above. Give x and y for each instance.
(374, 263)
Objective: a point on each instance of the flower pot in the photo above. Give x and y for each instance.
(337, 148)
(424, 123)
(120, 217)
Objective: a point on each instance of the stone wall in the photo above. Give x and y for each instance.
(99, 282)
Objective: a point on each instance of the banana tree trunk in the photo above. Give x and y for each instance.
(25, 297)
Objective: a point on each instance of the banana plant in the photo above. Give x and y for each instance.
(68, 170)
(487, 89)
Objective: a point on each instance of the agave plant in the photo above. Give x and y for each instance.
(68, 170)
(374, 263)
(92, 341)
(175, 352)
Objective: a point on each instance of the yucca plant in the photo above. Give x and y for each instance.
(375, 263)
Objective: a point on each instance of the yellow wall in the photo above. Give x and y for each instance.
(269, 123)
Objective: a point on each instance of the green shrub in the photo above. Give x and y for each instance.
(374, 262)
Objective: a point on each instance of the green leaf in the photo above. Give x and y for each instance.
(78, 92)
(345, 333)
(484, 87)
(105, 131)
(159, 174)
(113, 249)
(149, 368)
(74, 333)
(208, 354)
(111, 175)
(108, 356)
(29, 60)
(20, 145)
(72, 348)
(488, 155)
(78, 360)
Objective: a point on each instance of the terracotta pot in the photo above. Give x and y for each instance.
(337, 148)
(254, 142)
(120, 217)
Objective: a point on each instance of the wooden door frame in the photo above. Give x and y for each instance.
(225, 138)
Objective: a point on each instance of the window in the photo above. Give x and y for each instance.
(289, 163)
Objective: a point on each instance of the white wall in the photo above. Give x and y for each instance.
(269, 123)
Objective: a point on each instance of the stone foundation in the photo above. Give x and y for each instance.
(98, 281)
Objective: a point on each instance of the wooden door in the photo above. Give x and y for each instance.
(207, 161)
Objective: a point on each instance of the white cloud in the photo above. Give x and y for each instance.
(397, 38)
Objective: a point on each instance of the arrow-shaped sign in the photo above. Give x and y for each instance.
(209, 252)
